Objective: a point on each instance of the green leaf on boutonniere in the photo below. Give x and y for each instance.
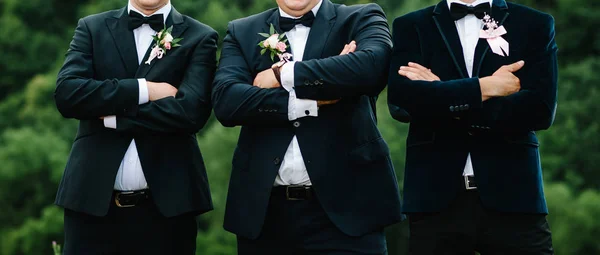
(281, 36)
(272, 56)
(176, 45)
(265, 35)
(169, 30)
(176, 40)
(262, 52)
(272, 29)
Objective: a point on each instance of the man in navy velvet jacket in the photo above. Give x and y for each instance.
(473, 179)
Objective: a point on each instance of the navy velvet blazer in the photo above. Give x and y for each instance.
(448, 119)
(347, 159)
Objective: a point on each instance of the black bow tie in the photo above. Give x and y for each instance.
(459, 11)
(136, 20)
(287, 24)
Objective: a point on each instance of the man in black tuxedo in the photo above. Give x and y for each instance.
(135, 179)
(311, 172)
(473, 179)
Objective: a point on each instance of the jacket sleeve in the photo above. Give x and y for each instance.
(360, 73)
(534, 107)
(236, 102)
(79, 96)
(438, 100)
(190, 109)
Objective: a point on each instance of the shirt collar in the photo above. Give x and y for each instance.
(471, 4)
(165, 10)
(314, 10)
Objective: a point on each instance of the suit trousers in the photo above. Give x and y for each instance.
(467, 226)
(123, 231)
(303, 228)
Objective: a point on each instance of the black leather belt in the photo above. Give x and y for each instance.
(469, 182)
(293, 192)
(125, 199)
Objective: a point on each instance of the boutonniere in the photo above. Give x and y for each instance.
(276, 45)
(493, 34)
(164, 41)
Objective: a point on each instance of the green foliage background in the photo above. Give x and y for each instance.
(35, 140)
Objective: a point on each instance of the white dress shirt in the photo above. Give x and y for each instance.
(293, 170)
(468, 30)
(130, 175)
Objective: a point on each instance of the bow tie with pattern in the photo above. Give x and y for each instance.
(156, 22)
(459, 11)
(287, 24)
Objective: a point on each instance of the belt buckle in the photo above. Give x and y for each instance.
(468, 184)
(118, 198)
(287, 193)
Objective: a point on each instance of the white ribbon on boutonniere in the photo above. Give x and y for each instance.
(493, 34)
(164, 41)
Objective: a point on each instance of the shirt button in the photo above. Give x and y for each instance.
(297, 124)
(276, 161)
(307, 112)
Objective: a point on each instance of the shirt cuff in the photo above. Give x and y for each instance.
(287, 76)
(144, 97)
(298, 108)
(110, 122)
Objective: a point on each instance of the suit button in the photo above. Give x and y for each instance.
(467, 107)
(463, 107)
(452, 108)
(306, 82)
(297, 124)
(261, 110)
(276, 161)
(307, 112)
(470, 134)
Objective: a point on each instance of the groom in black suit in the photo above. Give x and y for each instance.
(311, 172)
(135, 179)
(473, 179)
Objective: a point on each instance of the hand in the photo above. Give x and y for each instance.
(416, 72)
(327, 102)
(502, 83)
(160, 90)
(349, 48)
(266, 80)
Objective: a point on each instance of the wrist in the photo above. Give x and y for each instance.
(277, 70)
(486, 88)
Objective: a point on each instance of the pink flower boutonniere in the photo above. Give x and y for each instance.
(275, 44)
(164, 41)
(493, 34)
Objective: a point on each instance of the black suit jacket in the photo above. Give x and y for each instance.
(449, 120)
(99, 78)
(347, 159)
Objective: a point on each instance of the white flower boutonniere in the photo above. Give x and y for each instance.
(164, 41)
(493, 34)
(275, 44)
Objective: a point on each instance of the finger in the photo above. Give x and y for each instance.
(426, 75)
(513, 67)
(412, 76)
(426, 72)
(352, 46)
(420, 67)
(345, 50)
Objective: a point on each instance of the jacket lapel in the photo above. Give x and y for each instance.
(174, 19)
(320, 30)
(499, 13)
(124, 40)
(447, 28)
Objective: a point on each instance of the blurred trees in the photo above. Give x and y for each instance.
(35, 140)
